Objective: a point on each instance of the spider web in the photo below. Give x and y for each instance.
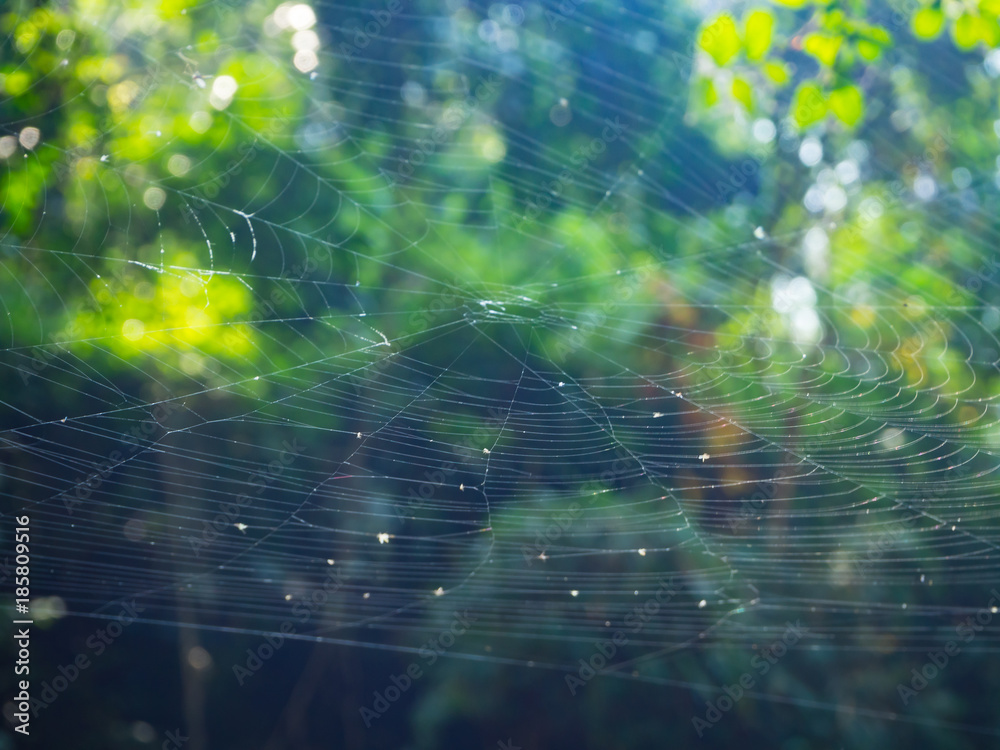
(400, 344)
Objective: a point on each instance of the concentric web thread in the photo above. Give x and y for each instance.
(470, 372)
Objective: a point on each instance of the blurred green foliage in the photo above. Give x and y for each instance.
(187, 212)
(843, 42)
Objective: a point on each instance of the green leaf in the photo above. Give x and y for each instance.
(989, 31)
(824, 48)
(848, 104)
(709, 95)
(927, 23)
(15, 83)
(966, 31)
(791, 3)
(720, 39)
(759, 25)
(880, 35)
(809, 105)
(743, 93)
(834, 20)
(868, 50)
(777, 72)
